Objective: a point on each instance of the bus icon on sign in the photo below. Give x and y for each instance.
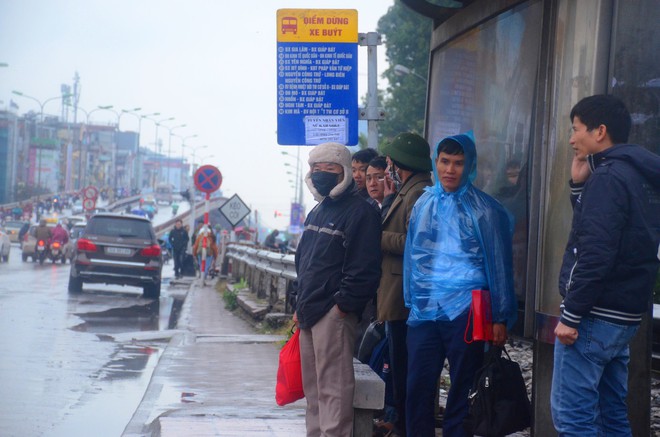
(289, 24)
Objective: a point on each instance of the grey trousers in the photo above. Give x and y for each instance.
(326, 352)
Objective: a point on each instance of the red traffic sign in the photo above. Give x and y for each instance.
(89, 204)
(91, 192)
(208, 179)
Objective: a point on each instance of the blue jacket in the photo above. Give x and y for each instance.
(338, 258)
(610, 262)
(457, 242)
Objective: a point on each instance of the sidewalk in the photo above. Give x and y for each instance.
(215, 378)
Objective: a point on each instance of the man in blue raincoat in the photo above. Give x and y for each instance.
(459, 239)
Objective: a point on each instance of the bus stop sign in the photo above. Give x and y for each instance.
(208, 179)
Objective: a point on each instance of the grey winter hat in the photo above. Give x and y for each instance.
(335, 153)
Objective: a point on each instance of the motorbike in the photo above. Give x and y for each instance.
(42, 251)
(57, 252)
(166, 250)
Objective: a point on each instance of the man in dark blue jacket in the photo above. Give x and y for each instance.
(338, 270)
(608, 270)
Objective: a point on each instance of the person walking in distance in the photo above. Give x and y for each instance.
(179, 241)
(206, 250)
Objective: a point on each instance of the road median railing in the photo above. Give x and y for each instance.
(270, 275)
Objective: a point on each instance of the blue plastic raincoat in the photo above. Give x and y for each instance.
(457, 242)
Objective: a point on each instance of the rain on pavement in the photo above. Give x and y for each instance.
(73, 365)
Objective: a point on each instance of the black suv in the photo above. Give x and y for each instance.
(117, 249)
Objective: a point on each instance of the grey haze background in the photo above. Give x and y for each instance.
(210, 64)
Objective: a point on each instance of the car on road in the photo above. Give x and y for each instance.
(118, 249)
(5, 244)
(149, 201)
(13, 227)
(73, 219)
(29, 246)
(77, 207)
(76, 231)
(164, 193)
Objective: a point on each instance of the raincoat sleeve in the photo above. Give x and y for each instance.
(495, 227)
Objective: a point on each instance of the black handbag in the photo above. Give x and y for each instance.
(498, 398)
(372, 336)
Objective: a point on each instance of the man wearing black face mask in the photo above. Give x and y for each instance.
(338, 269)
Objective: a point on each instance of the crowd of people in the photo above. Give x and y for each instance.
(390, 243)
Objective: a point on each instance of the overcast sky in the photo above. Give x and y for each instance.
(210, 64)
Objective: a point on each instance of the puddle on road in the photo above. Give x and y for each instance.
(130, 360)
(148, 316)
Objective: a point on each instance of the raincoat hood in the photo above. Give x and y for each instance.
(466, 141)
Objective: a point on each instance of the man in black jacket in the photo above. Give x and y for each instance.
(179, 241)
(338, 270)
(608, 270)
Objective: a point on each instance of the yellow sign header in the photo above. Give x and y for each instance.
(317, 25)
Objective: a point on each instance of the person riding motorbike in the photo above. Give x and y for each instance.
(43, 232)
(60, 234)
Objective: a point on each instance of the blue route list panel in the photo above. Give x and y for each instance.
(317, 93)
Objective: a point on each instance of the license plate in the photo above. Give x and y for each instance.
(118, 251)
(40, 248)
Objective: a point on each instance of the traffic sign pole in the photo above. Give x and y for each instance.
(206, 208)
(207, 179)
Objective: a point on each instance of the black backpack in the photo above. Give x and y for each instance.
(498, 398)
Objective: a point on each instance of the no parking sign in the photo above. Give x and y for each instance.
(208, 179)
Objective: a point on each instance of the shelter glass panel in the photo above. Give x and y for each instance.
(580, 59)
(485, 80)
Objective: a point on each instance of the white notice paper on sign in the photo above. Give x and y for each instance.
(324, 128)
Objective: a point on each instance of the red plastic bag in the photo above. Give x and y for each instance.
(480, 317)
(289, 386)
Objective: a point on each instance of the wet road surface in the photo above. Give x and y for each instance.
(69, 364)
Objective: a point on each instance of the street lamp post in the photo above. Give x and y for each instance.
(41, 118)
(88, 114)
(158, 124)
(135, 172)
(169, 149)
(299, 173)
(401, 70)
(183, 146)
(193, 200)
(139, 153)
(298, 196)
(115, 159)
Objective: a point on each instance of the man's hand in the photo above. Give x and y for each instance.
(295, 318)
(565, 334)
(580, 170)
(499, 334)
(389, 186)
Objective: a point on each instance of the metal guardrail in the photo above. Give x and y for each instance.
(269, 274)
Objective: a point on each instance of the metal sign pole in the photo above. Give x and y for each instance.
(372, 113)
